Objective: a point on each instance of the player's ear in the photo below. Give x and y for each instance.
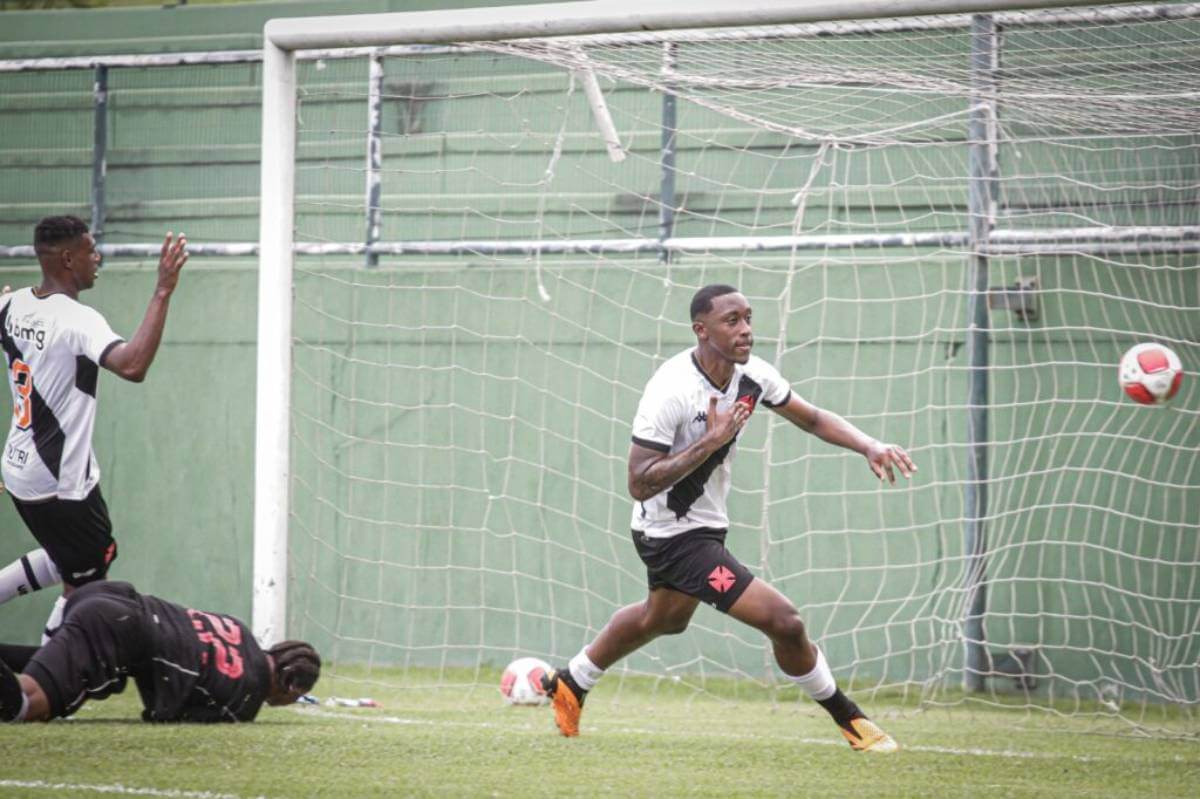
(699, 329)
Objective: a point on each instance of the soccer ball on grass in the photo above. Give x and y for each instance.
(521, 683)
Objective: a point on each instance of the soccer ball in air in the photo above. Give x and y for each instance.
(1150, 373)
(521, 683)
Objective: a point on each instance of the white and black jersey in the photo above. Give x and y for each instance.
(53, 346)
(672, 416)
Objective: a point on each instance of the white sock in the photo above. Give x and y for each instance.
(55, 620)
(28, 573)
(585, 673)
(818, 683)
(24, 707)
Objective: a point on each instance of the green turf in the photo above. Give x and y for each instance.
(640, 738)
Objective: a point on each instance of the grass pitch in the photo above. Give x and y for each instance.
(638, 739)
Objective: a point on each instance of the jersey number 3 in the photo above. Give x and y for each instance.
(22, 380)
(225, 637)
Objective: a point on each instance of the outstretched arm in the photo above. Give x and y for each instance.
(131, 359)
(651, 471)
(828, 426)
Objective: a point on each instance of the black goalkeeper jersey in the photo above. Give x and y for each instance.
(202, 667)
(188, 665)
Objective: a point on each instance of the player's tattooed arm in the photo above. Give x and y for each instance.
(652, 472)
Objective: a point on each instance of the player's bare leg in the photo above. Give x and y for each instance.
(664, 612)
(21, 698)
(766, 609)
(39, 704)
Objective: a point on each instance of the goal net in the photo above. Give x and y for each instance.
(461, 398)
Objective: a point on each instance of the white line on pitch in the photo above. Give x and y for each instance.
(941, 750)
(117, 788)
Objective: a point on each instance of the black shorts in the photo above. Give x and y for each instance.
(103, 637)
(76, 534)
(695, 563)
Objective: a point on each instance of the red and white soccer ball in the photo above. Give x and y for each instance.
(521, 683)
(1151, 373)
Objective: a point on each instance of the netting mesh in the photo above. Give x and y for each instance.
(461, 421)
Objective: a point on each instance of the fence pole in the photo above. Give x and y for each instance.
(374, 154)
(99, 150)
(666, 194)
(981, 208)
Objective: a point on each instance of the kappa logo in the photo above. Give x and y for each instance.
(721, 579)
(701, 417)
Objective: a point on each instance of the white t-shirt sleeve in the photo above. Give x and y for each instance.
(658, 417)
(775, 390)
(95, 336)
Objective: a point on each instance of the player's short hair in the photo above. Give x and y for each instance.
(55, 230)
(297, 666)
(702, 300)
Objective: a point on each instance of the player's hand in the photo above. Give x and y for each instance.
(6, 290)
(174, 256)
(884, 459)
(724, 426)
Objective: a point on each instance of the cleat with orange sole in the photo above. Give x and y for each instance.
(567, 706)
(867, 737)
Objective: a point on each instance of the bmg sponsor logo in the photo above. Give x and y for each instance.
(32, 331)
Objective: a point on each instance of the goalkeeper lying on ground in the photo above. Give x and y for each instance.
(188, 665)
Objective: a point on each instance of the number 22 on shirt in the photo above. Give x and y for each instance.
(225, 638)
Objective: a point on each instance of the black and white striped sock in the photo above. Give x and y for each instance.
(31, 572)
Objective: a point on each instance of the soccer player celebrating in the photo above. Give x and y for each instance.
(54, 345)
(188, 665)
(684, 438)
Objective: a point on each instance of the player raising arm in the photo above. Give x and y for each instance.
(53, 346)
(188, 665)
(684, 440)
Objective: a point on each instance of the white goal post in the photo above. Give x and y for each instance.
(546, 184)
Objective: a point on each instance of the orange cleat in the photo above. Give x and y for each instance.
(865, 736)
(566, 699)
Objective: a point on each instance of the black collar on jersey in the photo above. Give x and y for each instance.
(711, 382)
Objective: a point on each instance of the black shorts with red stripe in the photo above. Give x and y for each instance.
(76, 534)
(695, 563)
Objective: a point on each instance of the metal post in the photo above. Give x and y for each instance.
(666, 194)
(99, 150)
(981, 208)
(374, 153)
